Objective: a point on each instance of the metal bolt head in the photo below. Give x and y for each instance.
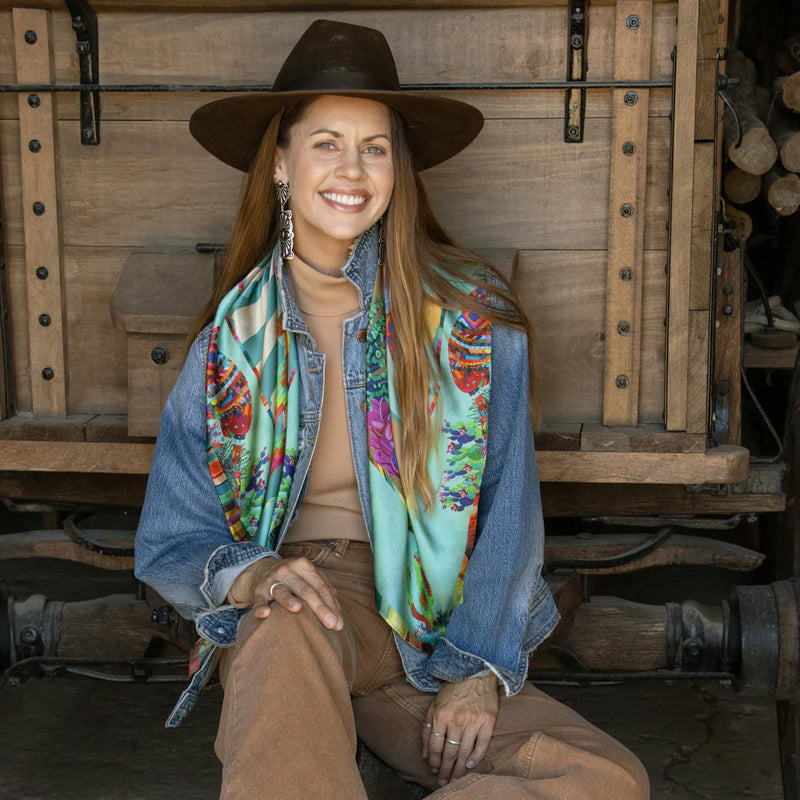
(28, 635)
(633, 22)
(622, 382)
(87, 134)
(576, 40)
(34, 145)
(626, 210)
(626, 274)
(48, 374)
(630, 98)
(727, 289)
(692, 649)
(31, 37)
(159, 355)
(42, 273)
(727, 310)
(628, 148)
(38, 208)
(44, 320)
(623, 328)
(573, 131)
(34, 101)
(83, 48)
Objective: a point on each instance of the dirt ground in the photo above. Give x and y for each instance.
(81, 739)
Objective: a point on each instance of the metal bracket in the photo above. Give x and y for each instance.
(84, 23)
(575, 101)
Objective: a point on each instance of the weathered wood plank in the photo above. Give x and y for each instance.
(709, 40)
(176, 194)
(564, 295)
(24, 456)
(640, 439)
(697, 378)
(678, 549)
(728, 346)
(625, 216)
(57, 544)
(680, 238)
(724, 464)
(69, 487)
(38, 158)
(704, 201)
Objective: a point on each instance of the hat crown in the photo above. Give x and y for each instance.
(332, 56)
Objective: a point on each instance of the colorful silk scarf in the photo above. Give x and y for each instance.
(253, 412)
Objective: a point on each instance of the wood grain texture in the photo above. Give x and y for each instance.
(728, 344)
(769, 359)
(587, 499)
(710, 30)
(626, 231)
(70, 487)
(57, 544)
(24, 456)
(697, 419)
(704, 200)
(680, 233)
(724, 464)
(41, 231)
(563, 293)
(639, 439)
(677, 549)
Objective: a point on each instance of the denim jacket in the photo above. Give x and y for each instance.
(185, 552)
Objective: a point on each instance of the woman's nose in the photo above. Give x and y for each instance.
(350, 165)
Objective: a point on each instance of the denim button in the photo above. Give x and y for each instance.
(362, 335)
(364, 406)
(220, 630)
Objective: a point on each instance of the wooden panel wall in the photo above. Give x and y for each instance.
(518, 187)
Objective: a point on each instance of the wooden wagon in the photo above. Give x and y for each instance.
(593, 186)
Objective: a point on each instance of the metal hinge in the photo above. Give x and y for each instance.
(84, 23)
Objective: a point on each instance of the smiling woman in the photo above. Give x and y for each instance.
(344, 494)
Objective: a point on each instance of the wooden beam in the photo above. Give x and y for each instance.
(57, 544)
(724, 464)
(46, 331)
(641, 439)
(129, 459)
(628, 173)
(697, 417)
(727, 388)
(680, 233)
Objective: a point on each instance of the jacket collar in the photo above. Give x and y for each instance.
(360, 269)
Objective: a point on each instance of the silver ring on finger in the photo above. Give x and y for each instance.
(277, 583)
(452, 741)
(433, 733)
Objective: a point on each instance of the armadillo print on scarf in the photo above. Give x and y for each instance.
(253, 411)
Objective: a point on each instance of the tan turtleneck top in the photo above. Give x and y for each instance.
(331, 508)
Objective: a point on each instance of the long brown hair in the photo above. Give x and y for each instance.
(420, 262)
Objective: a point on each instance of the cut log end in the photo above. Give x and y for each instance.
(741, 186)
(757, 152)
(783, 194)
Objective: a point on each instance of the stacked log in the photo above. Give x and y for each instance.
(764, 152)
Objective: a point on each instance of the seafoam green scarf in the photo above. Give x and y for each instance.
(253, 412)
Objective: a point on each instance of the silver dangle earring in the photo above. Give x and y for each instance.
(286, 227)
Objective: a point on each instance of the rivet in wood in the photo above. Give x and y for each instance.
(34, 145)
(42, 273)
(727, 310)
(628, 148)
(34, 101)
(38, 208)
(577, 41)
(727, 289)
(630, 98)
(88, 134)
(623, 328)
(160, 355)
(44, 320)
(573, 131)
(626, 210)
(83, 48)
(31, 37)
(622, 382)
(626, 274)
(633, 22)
(48, 374)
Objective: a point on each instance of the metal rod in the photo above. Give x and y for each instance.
(428, 87)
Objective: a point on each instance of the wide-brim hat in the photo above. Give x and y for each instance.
(341, 59)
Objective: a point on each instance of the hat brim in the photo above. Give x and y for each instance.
(232, 128)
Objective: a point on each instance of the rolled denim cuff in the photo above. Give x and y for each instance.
(225, 565)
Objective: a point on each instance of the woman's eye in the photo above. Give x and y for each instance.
(374, 150)
(325, 145)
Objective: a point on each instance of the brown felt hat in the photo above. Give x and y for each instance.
(342, 59)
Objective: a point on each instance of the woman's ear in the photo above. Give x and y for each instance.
(280, 174)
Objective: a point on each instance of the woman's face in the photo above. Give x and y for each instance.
(338, 164)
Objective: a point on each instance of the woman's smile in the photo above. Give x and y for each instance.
(338, 164)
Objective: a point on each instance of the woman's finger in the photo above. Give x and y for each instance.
(481, 748)
(450, 751)
(426, 732)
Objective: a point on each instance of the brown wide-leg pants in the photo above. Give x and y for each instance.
(297, 693)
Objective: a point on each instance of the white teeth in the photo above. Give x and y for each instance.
(345, 199)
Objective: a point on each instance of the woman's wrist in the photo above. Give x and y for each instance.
(241, 592)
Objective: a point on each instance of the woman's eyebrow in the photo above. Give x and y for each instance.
(338, 135)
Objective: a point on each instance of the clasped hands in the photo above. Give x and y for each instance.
(461, 716)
